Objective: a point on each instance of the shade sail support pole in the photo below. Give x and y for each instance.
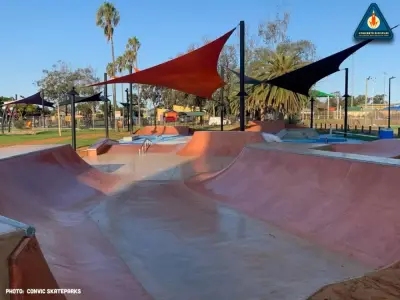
(346, 99)
(106, 106)
(130, 103)
(242, 91)
(312, 113)
(222, 101)
(72, 94)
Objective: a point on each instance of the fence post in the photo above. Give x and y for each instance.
(320, 125)
(362, 128)
(341, 126)
(369, 130)
(336, 126)
(355, 128)
(325, 125)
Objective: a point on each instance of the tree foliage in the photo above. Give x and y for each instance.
(57, 81)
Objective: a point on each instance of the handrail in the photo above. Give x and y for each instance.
(145, 146)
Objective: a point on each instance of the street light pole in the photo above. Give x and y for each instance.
(390, 80)
(366, 99)
(384, 86)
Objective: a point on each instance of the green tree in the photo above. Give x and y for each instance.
(121, 64)
(108, 18)
(379, 99)
(59, 80)
(265, 96)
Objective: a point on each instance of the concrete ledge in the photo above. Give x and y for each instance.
(100, 147)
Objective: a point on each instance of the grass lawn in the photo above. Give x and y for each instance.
(84, 138)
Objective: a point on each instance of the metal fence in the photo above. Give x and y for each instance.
(374, 118)
(98, 122)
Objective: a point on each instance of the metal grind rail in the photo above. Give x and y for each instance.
(145, 146)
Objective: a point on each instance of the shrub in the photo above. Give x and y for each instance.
(19, 124)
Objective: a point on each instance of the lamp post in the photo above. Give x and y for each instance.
(366, 99)
(72, 94)
(384, 86)
(128, 107)
(390, 80)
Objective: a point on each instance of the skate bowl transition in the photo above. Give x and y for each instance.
(261, 221)
(381, 148)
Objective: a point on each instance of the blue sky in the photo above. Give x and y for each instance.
(36, 34)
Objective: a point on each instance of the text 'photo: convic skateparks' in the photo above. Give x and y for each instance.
(209, 150)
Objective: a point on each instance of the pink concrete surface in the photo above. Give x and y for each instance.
(53, 189)
(266, 126)
(219, 143)
(134, 148)
(382, 148)
(347, 206)
(160, 129)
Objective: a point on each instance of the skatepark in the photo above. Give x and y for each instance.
(225, 215)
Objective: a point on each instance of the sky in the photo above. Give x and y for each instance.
(36, 34)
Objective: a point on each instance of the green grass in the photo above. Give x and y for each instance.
(45, 137)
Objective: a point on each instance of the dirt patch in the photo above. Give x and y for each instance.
(381, 284)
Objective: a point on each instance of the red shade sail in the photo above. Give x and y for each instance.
(193, 73)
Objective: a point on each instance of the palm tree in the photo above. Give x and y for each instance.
(107, 17)
(120, 63)
(264, 96)
(110, 70)
(131, 53)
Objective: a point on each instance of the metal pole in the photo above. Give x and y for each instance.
(222, 100)
(390, 89)
(44, 121)
(242, 92)
(390, 79)
(73, 94)
(106, 106)
(128, 109)
(130, 114)
(346, 98)
(312, 113)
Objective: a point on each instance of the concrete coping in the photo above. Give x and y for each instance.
(8, 225)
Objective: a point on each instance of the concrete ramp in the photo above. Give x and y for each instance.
(266, 126)
(300, 133)
(381, 148)
(133, 149)
(346, 205)
(219, 143)
(159, 130)
(53, 189)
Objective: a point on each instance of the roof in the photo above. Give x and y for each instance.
(194, 113)
(319, 94)
(193, 73)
